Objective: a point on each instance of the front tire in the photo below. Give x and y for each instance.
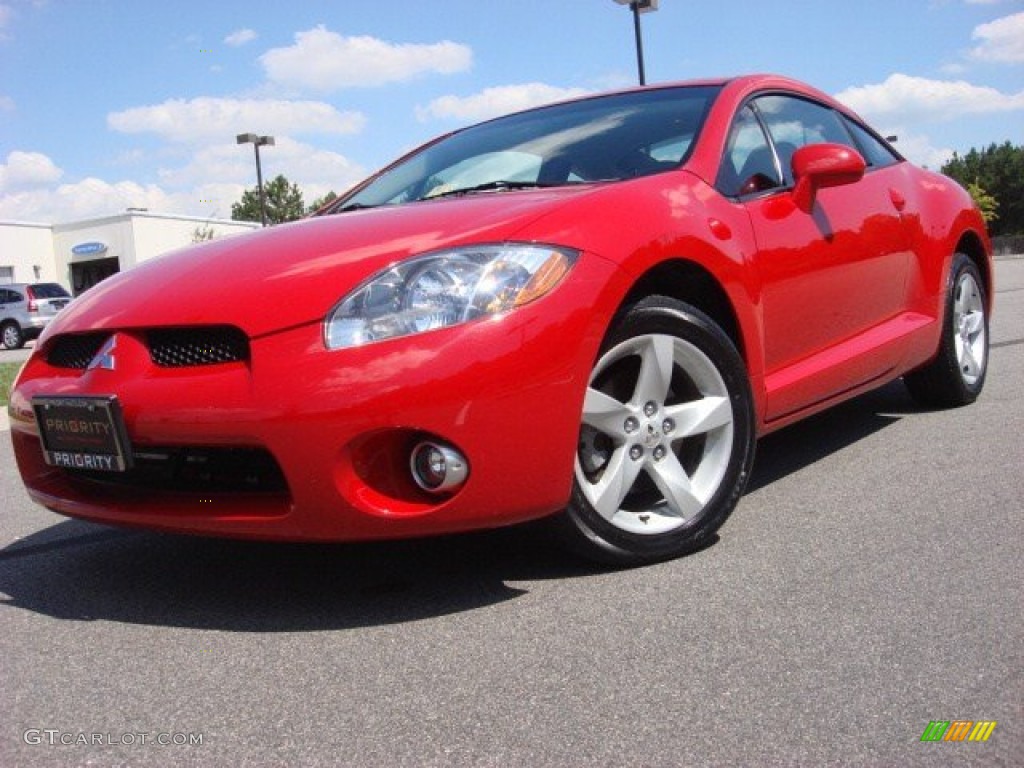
(666, 438)
(957, 374)
(12, 337)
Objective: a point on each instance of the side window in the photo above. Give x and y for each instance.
(749, 164)
(6, 297)
(876, 152)
(794, 123)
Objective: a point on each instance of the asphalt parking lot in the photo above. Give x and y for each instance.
(868, 584)
(16, 355)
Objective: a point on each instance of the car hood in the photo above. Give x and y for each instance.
(293, 274)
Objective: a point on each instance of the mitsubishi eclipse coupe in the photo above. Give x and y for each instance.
(588, 311)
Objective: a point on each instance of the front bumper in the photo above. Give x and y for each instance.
(339, 425)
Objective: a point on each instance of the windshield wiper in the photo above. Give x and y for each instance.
(488, 186)
(352, 207)
(501, 184)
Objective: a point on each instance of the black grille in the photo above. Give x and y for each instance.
(75, 350)
(199, 470)
(204, 345)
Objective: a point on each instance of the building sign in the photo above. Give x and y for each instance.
(86, 249)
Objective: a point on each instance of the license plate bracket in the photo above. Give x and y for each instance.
(83, 432)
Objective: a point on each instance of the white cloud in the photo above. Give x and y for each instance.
(326, 61)
(918, 149)
(94, 197)
(301, 163)
(317, 171)
(84, 199)
(7, 104)
(912, 99)
(240, 37)
(6, 14)
(491, 102)
(1001, 40)
(211, 119)
(207, 183)
(24, 170)
(228, 163)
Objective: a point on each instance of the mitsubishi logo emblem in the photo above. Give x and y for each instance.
(105, 357)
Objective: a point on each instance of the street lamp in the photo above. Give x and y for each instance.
(257, 142)
(638, 7)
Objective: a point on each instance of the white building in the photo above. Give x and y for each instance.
(26, 253)
(81, 253)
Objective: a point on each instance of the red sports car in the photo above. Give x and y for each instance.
(589, 310)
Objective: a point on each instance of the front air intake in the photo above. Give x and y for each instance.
(200, 345)
(75, 350)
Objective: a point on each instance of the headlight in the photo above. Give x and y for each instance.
(444, 289)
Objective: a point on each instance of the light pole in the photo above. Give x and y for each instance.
(257, 142)
(638, 7)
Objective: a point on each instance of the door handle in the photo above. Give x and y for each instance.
(898, 200)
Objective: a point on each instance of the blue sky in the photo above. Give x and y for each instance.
(106, 104)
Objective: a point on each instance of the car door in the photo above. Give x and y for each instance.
(833, 277)
(7, 299)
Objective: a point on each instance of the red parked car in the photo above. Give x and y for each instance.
(589, 311)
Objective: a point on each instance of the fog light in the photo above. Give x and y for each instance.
(438, 468)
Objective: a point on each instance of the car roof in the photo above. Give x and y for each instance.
(23, 286)
(703, 161)
(744, 83)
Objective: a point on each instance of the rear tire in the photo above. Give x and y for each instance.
(957, 374)
(12, 337)
(666, 438)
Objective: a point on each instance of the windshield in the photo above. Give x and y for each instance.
(606, 138)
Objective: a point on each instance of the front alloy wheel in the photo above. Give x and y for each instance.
(970, 340)
(957, 373)
(666, 441)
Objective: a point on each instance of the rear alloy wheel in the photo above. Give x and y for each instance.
(13, 338)
(957, 374)
(667, 437)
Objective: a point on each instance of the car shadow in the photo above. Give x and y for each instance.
(79, 571)
(791, 449)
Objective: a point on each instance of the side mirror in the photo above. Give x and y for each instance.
(817, 166)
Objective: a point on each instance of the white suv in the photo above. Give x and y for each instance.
(26, 308)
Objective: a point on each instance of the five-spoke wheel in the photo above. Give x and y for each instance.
(957, 373)
(666, 440)
(970, 338)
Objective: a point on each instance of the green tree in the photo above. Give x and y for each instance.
(985, 202)
(320, 202)
(202, 233)
(284, 202)
(998, 170)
